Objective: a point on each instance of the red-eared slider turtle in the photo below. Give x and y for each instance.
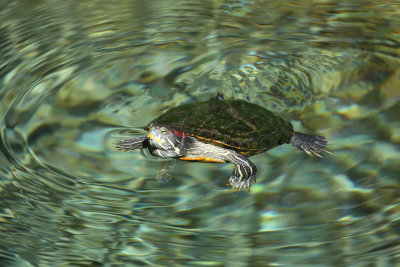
(221, 131)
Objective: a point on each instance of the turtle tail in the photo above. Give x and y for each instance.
(311, 144)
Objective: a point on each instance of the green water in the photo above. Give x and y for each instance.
(76, 76)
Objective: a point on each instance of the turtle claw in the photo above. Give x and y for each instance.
(118, 147)
(316, 154)
(311, 151)
(239, 184)
(326, 151)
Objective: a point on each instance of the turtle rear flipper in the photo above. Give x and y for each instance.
(244, 172)
(311, 144)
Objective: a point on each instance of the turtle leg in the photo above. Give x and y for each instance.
(131, 144)
(311, 144)
(220, 96)
(165, 173)
(244, 172)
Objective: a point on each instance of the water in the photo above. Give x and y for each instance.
(76, 76)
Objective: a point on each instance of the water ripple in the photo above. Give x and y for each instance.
(76, 77)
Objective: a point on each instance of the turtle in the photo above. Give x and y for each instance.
(221, 131)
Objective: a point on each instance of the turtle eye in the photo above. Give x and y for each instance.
(163, 130)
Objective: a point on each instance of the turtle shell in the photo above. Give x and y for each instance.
(234, 124)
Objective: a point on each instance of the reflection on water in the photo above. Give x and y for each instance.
(75, 76)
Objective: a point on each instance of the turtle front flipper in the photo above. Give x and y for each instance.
(131, 144)
(244, 172)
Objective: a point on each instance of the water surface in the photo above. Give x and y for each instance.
(76, 76)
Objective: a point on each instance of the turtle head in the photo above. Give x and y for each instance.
(165, 142)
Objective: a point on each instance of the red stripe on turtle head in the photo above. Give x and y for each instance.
(180, 133)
